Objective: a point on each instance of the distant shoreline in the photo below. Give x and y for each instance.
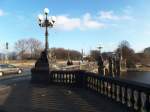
(145, 69)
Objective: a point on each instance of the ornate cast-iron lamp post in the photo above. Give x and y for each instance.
(99, 48)
(46, 22)
(41, 71)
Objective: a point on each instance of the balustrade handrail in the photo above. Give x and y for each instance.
(116, 80)
(122, 90)
(125, 82)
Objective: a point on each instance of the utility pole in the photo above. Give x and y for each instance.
(6, 53)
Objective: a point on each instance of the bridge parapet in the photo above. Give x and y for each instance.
(134, 95)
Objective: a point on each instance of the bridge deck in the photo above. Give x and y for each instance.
(21, 96)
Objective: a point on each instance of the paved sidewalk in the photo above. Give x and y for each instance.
(21, 96)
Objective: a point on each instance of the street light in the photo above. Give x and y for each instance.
(6, 55)
(41, 71)
(99, 48)
(100, 62)
(46, 22)
(46, 10)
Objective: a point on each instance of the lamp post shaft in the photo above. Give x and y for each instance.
(46, 34)
(41, 71)
(46, 39)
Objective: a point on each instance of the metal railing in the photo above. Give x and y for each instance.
(136, 96)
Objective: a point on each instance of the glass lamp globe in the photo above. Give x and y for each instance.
(53, 19)
(40, 17)
(46, 10)
(49, 18)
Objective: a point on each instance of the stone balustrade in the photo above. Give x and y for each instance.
(133, 95)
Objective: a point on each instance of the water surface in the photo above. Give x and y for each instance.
(143, 77)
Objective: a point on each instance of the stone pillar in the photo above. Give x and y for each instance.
(110, 67)
(100, 66)
(114, 67)
(41, 71)
(118, 67)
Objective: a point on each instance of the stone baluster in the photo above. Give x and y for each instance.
(108, 90)
(101, 86)
(147, 103)
(70, 78)
(143, 100)
(105, 84)
(92, 82)
(129, 97)
(117, 93)
(139, 101)
(97, 83)
(89, 82)
(113, 91)
(56, 77)
(132, 99)
(123, 95)
(135, 100)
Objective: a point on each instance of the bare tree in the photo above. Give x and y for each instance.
(124, 43)
(21, 46)
(28, 48)
(12, 56)
(35, 46)
(125, 50)
(62, 53)
(127, 53)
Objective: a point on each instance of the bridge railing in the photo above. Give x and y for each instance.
(64, 77)
(136, 96)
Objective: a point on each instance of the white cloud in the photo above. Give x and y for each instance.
(128, 10)
(64, 22)
(88, 21)
(2, 12)
(107, 15)
(110, 15)
(91, 24)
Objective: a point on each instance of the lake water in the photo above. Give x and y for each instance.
(143, 77)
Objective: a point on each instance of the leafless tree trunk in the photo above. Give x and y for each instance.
(35, 47)
(21, 46)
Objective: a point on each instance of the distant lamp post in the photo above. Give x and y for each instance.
(6, 54)
(99, 48)
(69, 61)
(7, 45)
(82, 55)
(43, 66)
(100, 62)
(46, 22)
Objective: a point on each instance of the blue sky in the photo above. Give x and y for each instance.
(81, 24)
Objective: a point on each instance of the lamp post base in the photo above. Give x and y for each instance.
(41, 72)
